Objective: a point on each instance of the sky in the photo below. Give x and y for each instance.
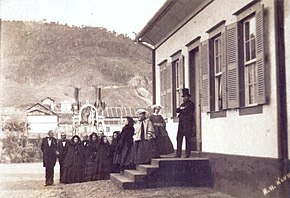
(122, 16)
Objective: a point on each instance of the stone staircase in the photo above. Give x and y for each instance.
(162, 172)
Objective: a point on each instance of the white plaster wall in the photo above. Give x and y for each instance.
(42, 124)
(287, 56)
(251, 135)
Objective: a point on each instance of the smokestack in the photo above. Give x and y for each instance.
(76, 95)
(98, 96)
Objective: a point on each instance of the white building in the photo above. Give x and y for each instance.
(40, 120)
(232, 56)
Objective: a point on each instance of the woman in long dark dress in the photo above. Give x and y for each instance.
(163, 143)
(115, 140)
(123, 153)
(72, 162)
(90, 169)
(104, 159)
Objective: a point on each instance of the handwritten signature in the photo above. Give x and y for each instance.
(279, 181)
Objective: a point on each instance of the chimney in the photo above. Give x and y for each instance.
(76, 96)
(98, 96)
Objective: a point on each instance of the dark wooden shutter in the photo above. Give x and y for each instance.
(224, 69)
(181, 66)
(232, 64)
(260, 56)
(204, 76)
(168, 95)
(162, 86)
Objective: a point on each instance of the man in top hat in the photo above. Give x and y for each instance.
(49, 150)
(186, 123)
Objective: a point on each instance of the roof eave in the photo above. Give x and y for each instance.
(152, 21)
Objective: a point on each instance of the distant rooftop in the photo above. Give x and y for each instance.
(117, 112)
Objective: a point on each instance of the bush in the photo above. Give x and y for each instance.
(16, 150)
(31, 153)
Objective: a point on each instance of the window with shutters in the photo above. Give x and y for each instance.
(217, 67)
(251, 55)
(178, 78)
(165, 87)
(178, 82)
(177, 67)
(249, 61)
(217, 62)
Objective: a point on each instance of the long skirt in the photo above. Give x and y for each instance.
(72, 174)
(163, 145)
(143, 151)
(90, 171)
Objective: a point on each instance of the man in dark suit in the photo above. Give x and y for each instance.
(62, 147)
(84, 147)
(186, 123)
(49, 150)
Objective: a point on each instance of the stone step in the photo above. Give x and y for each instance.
(126, 183)
(135, 175)
(121, 181)
(163, 172)
(147, 168)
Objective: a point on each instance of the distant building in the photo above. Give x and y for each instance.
(66, 106)
(114, 117)
(89, 118)
(40, 120)
(48, 102)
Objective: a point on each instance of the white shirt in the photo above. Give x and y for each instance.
(49, 142)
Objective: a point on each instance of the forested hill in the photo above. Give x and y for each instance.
(41, 59)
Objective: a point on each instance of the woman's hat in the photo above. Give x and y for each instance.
(185, 92)
(141, 111)
(156, 106)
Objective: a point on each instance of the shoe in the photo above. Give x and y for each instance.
(177, 156)
(187, 156)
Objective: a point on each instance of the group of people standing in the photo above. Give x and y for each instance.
(94, 158)
(79, 160)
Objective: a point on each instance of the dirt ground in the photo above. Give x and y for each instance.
(27, 180)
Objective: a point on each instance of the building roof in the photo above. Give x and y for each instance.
(47, 98)
(168, 19)
(117, 112)
(39, 108)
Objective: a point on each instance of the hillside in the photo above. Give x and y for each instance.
(40, 60)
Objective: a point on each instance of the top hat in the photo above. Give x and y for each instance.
(185, 92)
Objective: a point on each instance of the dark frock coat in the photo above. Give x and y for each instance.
(62, 151)
(186, 126)
(49, 152)
(49, 158)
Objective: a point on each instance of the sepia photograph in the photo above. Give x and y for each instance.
(144, 98)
